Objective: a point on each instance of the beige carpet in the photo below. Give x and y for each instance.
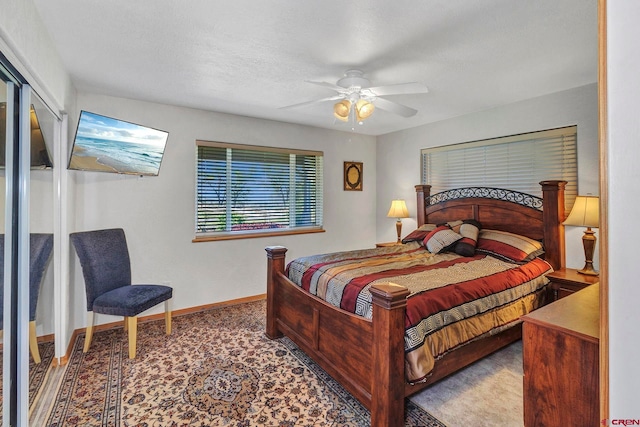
(487, 393)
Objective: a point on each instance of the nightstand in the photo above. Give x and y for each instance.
(386, 244)
(567, 281)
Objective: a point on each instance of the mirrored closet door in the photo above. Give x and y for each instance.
(3, 131)
(27, 130)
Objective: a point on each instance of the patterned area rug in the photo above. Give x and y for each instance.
(37, 372)
(216, 369)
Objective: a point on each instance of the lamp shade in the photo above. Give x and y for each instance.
(341, 110)
(364, 109)
(398, 209)
(585, 212)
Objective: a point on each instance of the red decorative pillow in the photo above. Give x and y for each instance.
(442, 238)
(419, 233)
(508, 246)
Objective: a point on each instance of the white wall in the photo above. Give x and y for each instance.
(26, 43)
(623, 51)
(157, 213)
(398, 167)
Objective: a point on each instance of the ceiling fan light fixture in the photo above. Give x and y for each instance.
(354, 98)
(363, 109)
(341, 110)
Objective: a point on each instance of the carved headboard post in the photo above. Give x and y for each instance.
(553, 216)
(422, 194)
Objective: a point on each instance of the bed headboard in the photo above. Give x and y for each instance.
(505, 210)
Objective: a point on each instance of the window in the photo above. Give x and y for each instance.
(250, 191)
(517, 162)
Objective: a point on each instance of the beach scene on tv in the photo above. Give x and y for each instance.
(106, 144)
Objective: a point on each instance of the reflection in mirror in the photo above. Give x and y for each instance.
(40, 154)
(41, 205)
(41, 325)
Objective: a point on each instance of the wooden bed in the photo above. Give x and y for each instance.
(367, 356)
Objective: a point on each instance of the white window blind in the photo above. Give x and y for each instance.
(249, 189)
(517, 162)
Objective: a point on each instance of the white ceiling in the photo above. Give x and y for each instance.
(252, 58)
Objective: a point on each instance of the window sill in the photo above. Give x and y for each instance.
(253, 235)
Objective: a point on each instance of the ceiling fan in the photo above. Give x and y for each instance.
(357, 98)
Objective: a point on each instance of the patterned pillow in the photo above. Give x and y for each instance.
(508, 246)
(442, 238)
(419, 234)
(469, 229)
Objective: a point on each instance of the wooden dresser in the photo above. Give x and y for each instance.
(560, 354)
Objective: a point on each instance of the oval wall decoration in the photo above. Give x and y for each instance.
(353, 176)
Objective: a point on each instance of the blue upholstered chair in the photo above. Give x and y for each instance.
(106, 268)
(40, 248)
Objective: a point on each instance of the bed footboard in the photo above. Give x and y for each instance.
(365, 356)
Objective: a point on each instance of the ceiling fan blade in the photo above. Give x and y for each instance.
(329, 85)
(394, 107)
(315, 101)
(399, 89)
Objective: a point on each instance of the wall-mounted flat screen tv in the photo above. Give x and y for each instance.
(105, 144)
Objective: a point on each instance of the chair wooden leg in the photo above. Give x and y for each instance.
(167, 316)
(33, 342)
(132, 323)
(89, 333)
(126, 325)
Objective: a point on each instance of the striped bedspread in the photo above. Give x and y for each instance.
(453, 299)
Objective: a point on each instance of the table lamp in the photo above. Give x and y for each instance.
(398, 210)
(586, 213)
